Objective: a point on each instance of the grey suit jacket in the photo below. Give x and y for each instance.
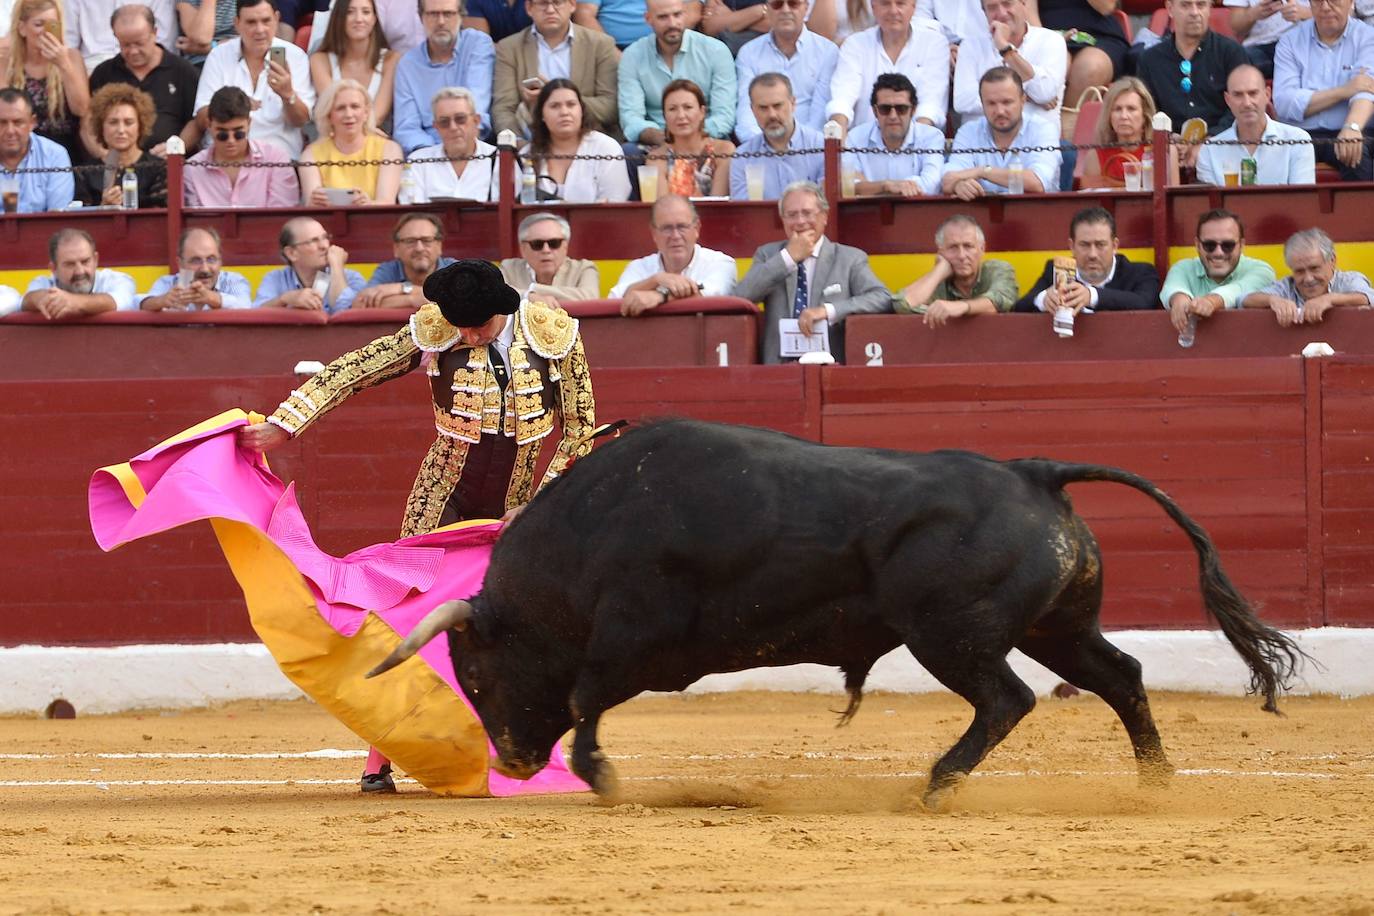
(842, 278)
(595, 63)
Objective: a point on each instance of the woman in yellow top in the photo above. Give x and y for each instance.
(348, 139)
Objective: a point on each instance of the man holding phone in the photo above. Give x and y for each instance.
(553, 48)
(274, 74)
(201, 280)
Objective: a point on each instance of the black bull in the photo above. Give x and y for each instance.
(688, 548)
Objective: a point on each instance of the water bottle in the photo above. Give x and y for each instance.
(1016, 179)
(527, 194)
(129, 185)
(1188, 335)
(407, 193)
(1147, 171)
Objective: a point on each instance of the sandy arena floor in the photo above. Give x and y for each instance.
(733, 803)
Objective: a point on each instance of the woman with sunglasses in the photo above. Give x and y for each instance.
(561, 129)
(544, 270)
(122, 118)
(690, 162)
(1127, 110)
(216, 176)
(354, 47)
(349, 148)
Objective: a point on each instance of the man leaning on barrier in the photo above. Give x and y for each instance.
(1220, 276)
(201, 280)
(1010, 132)
(315, 277)
(775, 109)
(807, 278)
(897, 170)
(20, 149)
(544, 271)
(235, 171)
(1104, 279)
(679, 268)
(962, 282)
(1315, 285)
(78, 285)
(417, 242)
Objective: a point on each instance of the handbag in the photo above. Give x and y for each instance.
(1068, 117)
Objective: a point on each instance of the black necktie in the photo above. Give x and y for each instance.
(803, 297)
(498, 365)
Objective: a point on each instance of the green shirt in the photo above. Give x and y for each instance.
(1189, 276)
(996, 281)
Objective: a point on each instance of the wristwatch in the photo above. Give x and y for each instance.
(407, 288)
(1357, 128)
(663, 291)
(1007, 50)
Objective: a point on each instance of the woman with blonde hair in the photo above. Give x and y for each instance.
(54, 75)
(354, 47)
(348, 148)
(1127, 110)
(690, 162)
(121, 118)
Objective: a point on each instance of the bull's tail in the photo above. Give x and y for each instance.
(1271, 656)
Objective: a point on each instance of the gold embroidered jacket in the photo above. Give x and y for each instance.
(548, 376)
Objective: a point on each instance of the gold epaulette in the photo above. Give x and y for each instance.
(548, 329)
(431, 331)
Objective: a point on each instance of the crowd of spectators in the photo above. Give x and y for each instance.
(962, 97)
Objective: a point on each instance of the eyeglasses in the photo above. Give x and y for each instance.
(211, 261)
(541, 244)
(546, 4)
(447, 121)
(786, 4)
(1211, 245)
(1186, 68)
(899, 109)
(676, 228)
(317, 240)
(440, 14)
(223, 135)
(417, 240)
(800, 214)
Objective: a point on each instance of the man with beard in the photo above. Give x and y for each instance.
(40, 168)
(673, 52)
(449, 56)
(504, 373)
(314, 277)
(201, 281)
(418, 245)
(1006, 126)
(962, 282)
(1315, 287)
(1247, 96)
(1221, 276)
(77, 285)
(789, 48)
(1105, 281)
(775, 108)
(901, 174)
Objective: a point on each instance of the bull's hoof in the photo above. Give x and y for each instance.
(598, 773)
(1155, 773)
(939, 797)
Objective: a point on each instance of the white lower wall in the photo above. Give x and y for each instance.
(134, 677)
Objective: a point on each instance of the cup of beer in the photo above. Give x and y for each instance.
(9, 192)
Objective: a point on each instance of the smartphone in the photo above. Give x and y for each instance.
(53, 29)
(533, 83)
(277, 55)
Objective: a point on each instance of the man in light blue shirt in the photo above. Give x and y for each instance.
(789, 48)
(450, 56)
(671, 53)
(21, 148)
(77, 286)
(1015, 135)
(201, 281)
(1315, 286)
(775, 110)
(1324, 83)
(315, 277)
(1247, 96)
(905, 174)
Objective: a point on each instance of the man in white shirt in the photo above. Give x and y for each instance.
(471, 173)
(680, 268)
(283, 94)
(1247, 96)
(918, 50)
(1039, 56)
(789, 48)
(88, 27)
(77, 285)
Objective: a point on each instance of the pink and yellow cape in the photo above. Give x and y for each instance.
(327, 620)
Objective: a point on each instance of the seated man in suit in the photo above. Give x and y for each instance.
(1107, 282)
(808, 279)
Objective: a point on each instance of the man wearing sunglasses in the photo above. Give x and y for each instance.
(470, 172)
(246, 173)
(418, 245)
(789, 48)
(1220, 277)
(1187, 76)
(679, 268)
(201, 281)
(544, 270)
(901, 174)
(1039, 55)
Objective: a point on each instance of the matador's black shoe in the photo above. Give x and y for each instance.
(379, 781)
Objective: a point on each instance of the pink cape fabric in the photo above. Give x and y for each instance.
(207, 476)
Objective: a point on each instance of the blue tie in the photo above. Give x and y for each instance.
(803, 297)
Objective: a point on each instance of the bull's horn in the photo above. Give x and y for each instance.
(446, 616)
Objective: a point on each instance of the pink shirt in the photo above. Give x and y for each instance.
(208, 186)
